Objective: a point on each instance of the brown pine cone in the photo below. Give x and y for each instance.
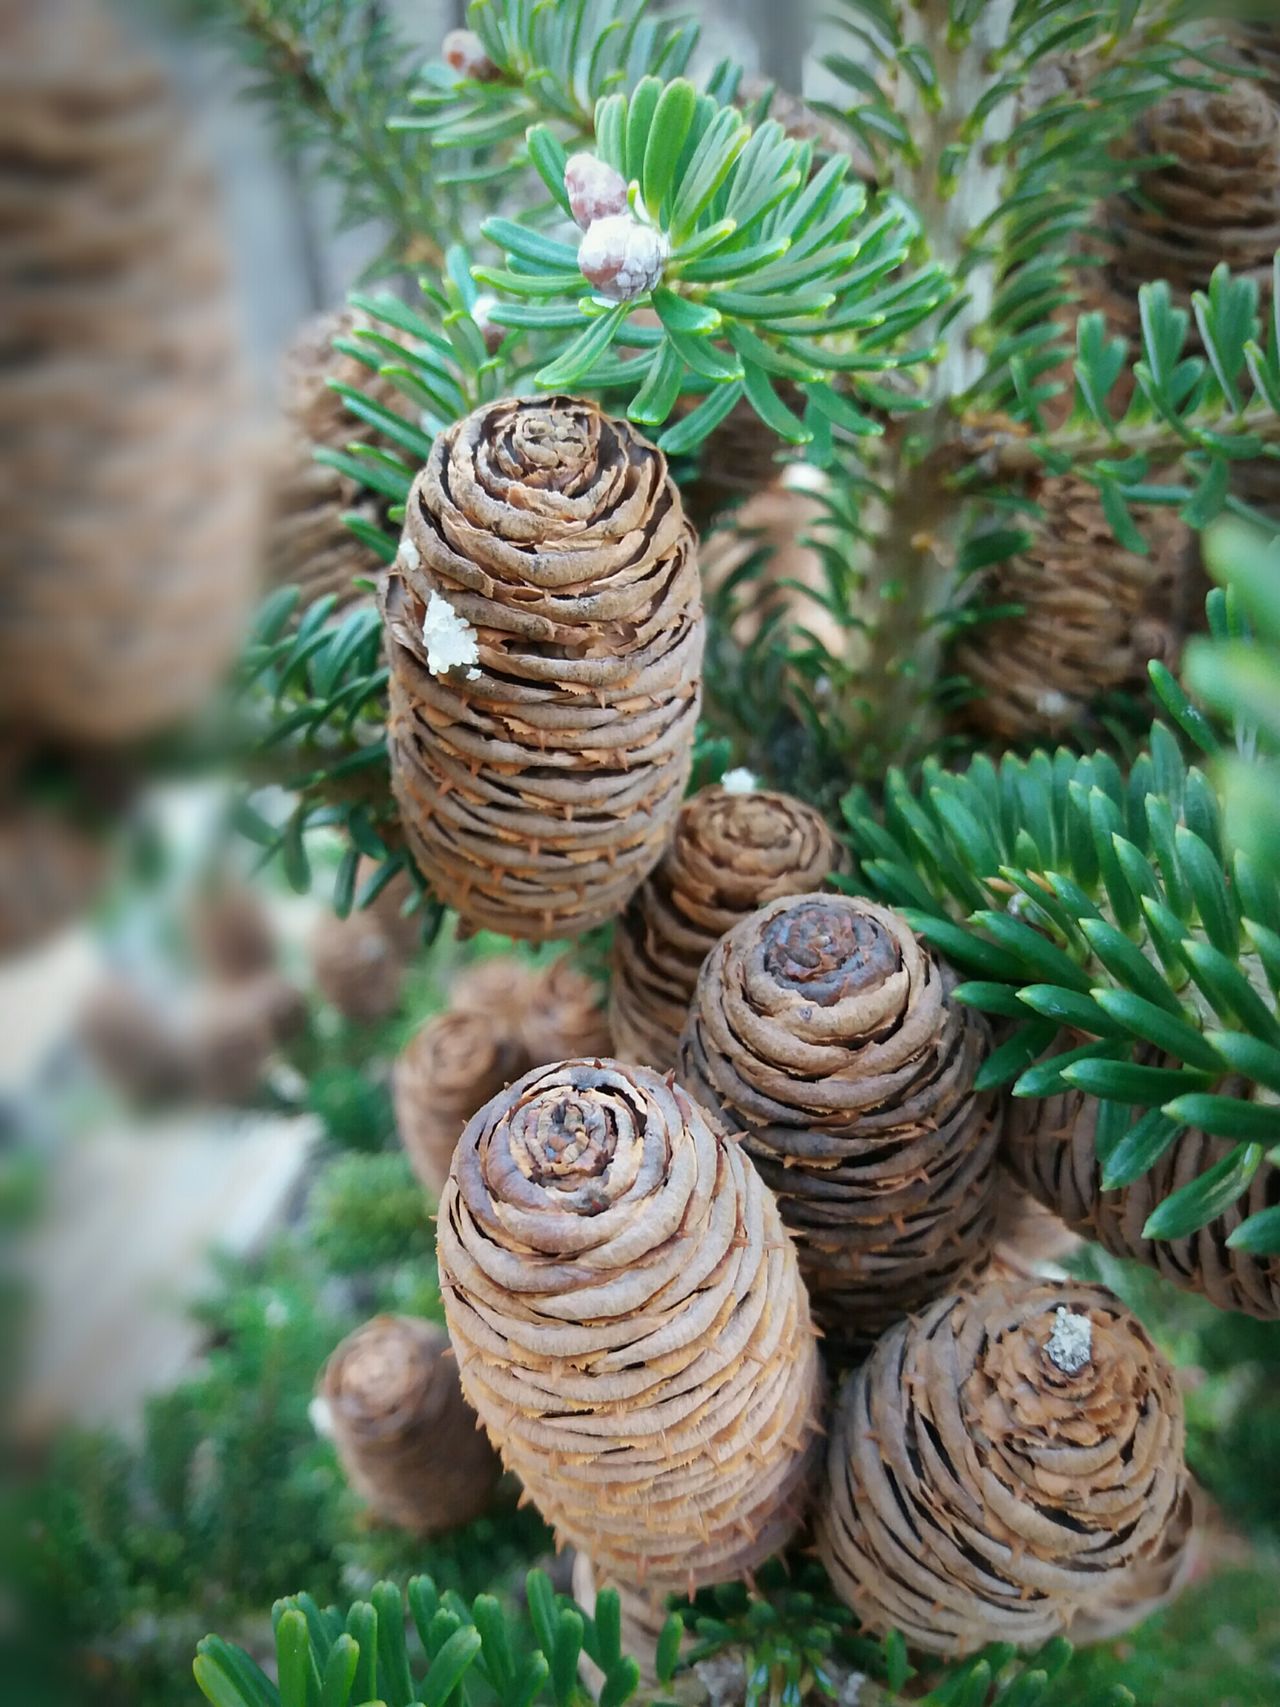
(1258, 46)
(1027, 1234)
(630, 1324)
(231, 1039)
(446, 1071)
(50, 871)
(564, 1015)
(131, 527)
(500, 987)
(539, 770)
(823, 1033)
(134, 1044)
(1093, 616)
(355, 968)
(1008, 1460)
(1218, 199)
(731, 853)
(403, 930)
(409, 1442)
(1049, 1148)
(737, 459)
(231, 935)
(308, 544)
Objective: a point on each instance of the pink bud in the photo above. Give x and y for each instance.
(464, 51)
(595, 190)
(621, 257)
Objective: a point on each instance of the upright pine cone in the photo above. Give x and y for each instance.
(1008, 1460)
(231, 934)
(408, 1440)
(545, 637)
(823, 1032)
(1092, 616)
(630, 1323)
(731, 852)
(564, 1015)
(130, 535)
(499, 987)
(355, 968)
(308, 543)
(1218, 198)
(1049, 1147)
(456, 1062)
(1258, 46)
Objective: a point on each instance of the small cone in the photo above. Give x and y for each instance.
(355, 968)
(231, 935)
(456, 1062)
(131, 525)
(1049, 1148)
(1092, 616)
(403, 930)
(564, 1016)
(134, 1045)
(630, 1324)
(1008, 1461)
(731, 853)
(545, 636)
(406, 1436)
(500, 987)
(308, 543)
(823, 1033)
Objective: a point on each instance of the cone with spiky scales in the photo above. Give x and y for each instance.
(1004, 1464)
(1049, 1147)
(130, 536)
(1087, 616)
(456, 1062)
(732, 851)
(823, 1033)
(630, 1324)
(407, 1438)
(308, 543)
(545, 634)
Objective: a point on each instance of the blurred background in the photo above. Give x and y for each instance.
(201, 1187)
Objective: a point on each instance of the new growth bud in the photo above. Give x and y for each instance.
(621, 258)
(464, 52)
(594, 189)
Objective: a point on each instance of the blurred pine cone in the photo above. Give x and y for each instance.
(630, 1324)
(308, 544)
(1258, 46)
(1008, 1460)
(50, 870)
(231, 935)
(355, 968)
(130, 538)
(499, 987)
(1049, 1148)
(545, 634)
(447, 1070)
(408, 1440)
(403, 930)
(1217, 200)
(134, 1043)
(738, 458)
(564, 1015)
(822, 1032)
(1093, 616)
(731, 853)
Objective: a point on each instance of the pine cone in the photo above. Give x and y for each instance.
(564, 1015)
(231, 1039)
(731, 853)
(630, 1324)
(308, 543)
(1008, 1460)
(1218, 200)
(1027, 1234)
(735, 460)
(50, 870)
(1049, 1148)
(500, 987)
(1258, 46)
(823, 1033)
(402, 930)
(134, 1044)
(408, 1440)
(538, 772)
(774, 522)
(1093, 615)
(231, 935)
(131, 537)
(355, 968)
(455, 1063)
